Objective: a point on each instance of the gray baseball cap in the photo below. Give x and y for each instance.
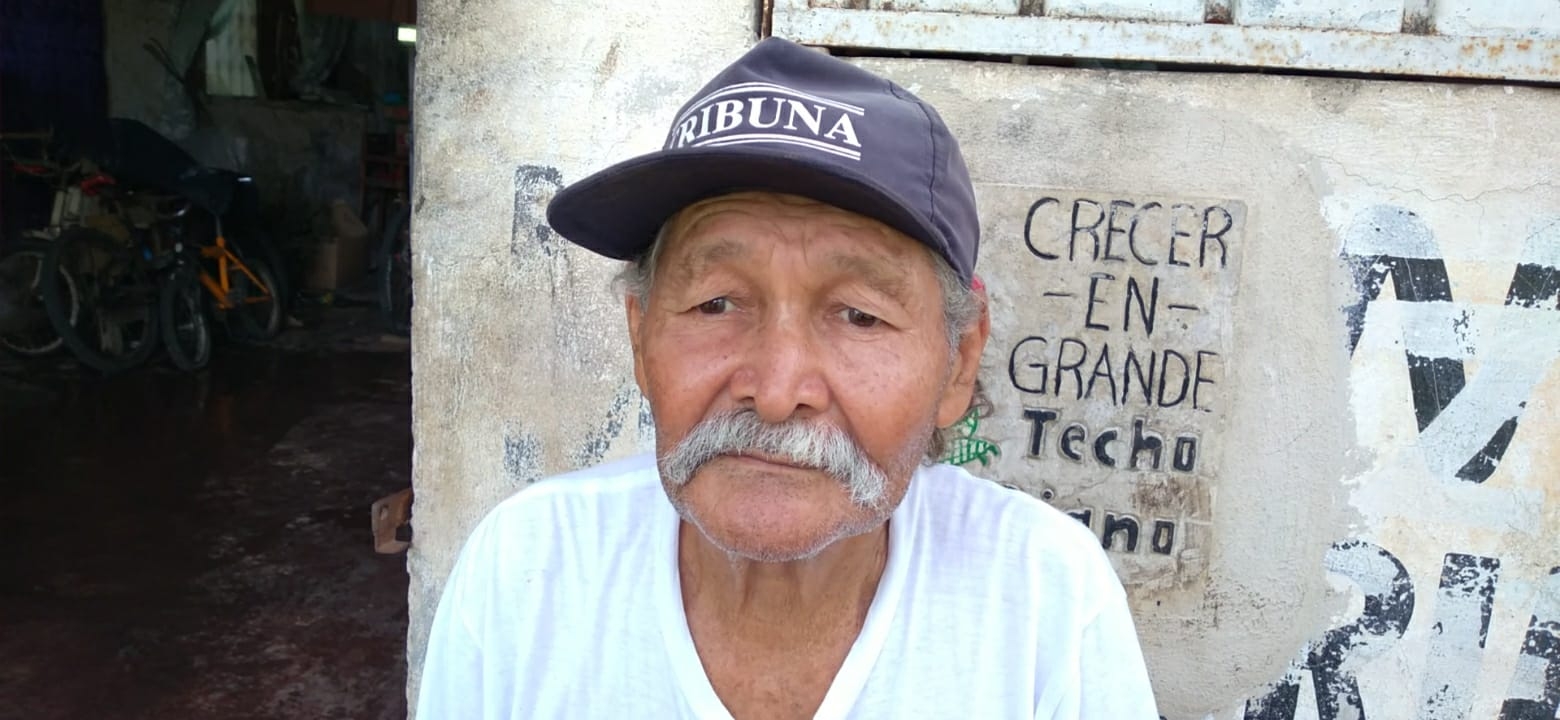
(787, 119)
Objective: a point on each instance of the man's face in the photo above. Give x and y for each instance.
(795, 312)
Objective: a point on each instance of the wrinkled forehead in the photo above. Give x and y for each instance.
(744, 225)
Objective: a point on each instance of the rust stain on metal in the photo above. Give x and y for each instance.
(1218, 14)
(1418, 24)
(885, 26)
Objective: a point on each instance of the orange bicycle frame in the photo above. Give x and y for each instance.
(221, 286)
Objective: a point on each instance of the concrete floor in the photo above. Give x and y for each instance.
(177, 546)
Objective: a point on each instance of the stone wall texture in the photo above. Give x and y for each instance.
(1288, 345)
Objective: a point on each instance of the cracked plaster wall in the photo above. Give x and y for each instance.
(519, 363)
(1354, 506)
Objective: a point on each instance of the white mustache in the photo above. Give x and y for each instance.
(810, 445)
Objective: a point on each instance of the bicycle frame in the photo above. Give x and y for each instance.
(221, 287)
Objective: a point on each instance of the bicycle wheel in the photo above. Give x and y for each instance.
(186, 329)
(395, 273)
(116, 328)
(253, 242)
(258, 316)
(25, 329)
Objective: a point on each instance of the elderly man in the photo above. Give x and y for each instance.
(804, 318)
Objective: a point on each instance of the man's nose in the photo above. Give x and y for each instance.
(782, 376)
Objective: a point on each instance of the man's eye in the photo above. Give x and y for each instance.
(715, 307)
(860, 319)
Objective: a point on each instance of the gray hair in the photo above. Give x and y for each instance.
(813, 445)
(961, 307)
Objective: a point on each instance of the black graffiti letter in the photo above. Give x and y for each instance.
(1185, 456)
(1092, 230)
(1146, 311)
(1073, 433)
(1149, 442)
(1101, 447)
(1083, 515)
(1434, 381)
(1532, 698)
(1115, 525)
(534, 187)
(1164, 537)
(1531, 286)
(1029, 223)
(1037, 418)
(1462, 622)
(1380, 625)
(1027, 359)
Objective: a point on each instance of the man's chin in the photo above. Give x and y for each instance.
(768, 532)
(746, 544)
(766, 511)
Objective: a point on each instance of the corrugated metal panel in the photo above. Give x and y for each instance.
(1516, 40)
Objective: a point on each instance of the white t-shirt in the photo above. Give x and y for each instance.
(565, 603)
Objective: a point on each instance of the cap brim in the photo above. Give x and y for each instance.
(618, 211)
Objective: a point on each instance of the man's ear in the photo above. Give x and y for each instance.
(636, 318)
(955, 401)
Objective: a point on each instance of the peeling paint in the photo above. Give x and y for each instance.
(528, 231)
(599, 441)
(1465, 427)
(522, 457)
(1333, 661)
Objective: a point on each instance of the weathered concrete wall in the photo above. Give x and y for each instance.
(519, 362)
(1323, 448)
(1290, 347)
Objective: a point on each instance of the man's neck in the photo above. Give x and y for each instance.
(829, 592)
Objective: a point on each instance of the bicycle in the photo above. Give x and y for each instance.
(116, 265)
(242, 290)
(117, 260)
(117, 328)
(144, 270)
(25, 328)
